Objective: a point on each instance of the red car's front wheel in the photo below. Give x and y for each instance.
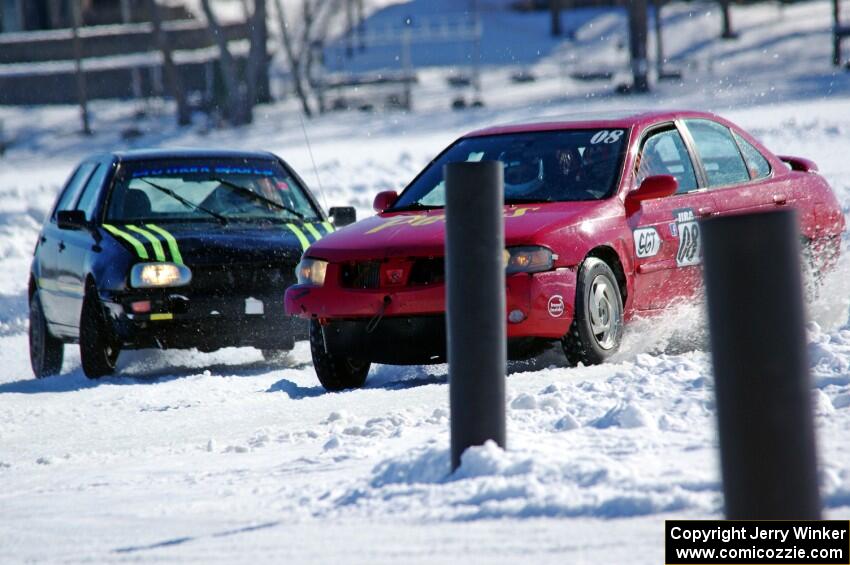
(335, 372)
(597, 329)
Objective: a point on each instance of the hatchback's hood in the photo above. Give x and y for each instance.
(423, 233)
(213, 244)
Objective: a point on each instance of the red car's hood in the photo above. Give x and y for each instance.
(423, 233)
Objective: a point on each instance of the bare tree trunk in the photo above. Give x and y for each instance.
(257, 75)
(135, 75)
(659, 41)
(555, 12)
(638, 31)
(349, 24)
(316, 22)
(235, 107)
(303, 47)
(74, 12)
(172, 77)
(307, 40)
(727, 20)
(836, 38)
(294, 61)
(54, 14)
(361, 25)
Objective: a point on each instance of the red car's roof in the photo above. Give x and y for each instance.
(615, 119)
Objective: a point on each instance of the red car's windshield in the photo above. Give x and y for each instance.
(546, 166)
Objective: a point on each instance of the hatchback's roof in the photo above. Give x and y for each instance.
(587, 120)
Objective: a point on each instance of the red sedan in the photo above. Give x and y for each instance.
(601, 225)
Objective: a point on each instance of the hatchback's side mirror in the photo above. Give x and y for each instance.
(343, 215)
(71, 220)
(384, 200)
(656, 186)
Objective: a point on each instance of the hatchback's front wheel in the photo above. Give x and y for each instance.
(98, 350)
(335, 372)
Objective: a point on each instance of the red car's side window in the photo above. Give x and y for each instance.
(664, 153)
(721, 158)
(756, 163)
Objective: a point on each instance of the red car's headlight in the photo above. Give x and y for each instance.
(532, 259)
(311, 271)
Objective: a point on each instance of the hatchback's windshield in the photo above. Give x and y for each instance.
(205, 189)
(562, 166)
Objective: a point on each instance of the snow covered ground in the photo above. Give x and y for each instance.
(223, 457)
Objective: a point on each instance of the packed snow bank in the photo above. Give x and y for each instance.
(610, 460)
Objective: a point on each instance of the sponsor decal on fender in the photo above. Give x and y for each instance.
(557, 306)
(647, 242)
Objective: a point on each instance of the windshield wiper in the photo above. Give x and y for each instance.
(414, 206)
(258, 197)
(185, 202)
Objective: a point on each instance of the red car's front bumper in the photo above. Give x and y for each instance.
(545, 300)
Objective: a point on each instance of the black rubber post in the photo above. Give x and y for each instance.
(475, 304)
(758, 345)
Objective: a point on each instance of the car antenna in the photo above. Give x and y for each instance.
(313, 160)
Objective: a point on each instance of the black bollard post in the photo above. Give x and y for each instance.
(758, 345)
(475, 304)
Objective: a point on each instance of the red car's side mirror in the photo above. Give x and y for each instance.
(656, 186)
(384, 200)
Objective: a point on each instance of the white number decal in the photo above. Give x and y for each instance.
(605, 136)
(689, 245)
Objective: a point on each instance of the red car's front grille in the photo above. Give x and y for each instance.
(393, 273)
(365, 274)
(427, 271)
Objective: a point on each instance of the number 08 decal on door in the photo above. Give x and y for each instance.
(690, 244)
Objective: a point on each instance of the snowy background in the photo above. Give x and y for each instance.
(222, 457)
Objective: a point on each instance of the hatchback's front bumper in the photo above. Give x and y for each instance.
(181, 319)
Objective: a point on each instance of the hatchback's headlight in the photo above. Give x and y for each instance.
(311, 271)
(152, 275)
(528, 259)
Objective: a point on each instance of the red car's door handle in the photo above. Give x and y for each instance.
(779, 199)
(706, 211)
